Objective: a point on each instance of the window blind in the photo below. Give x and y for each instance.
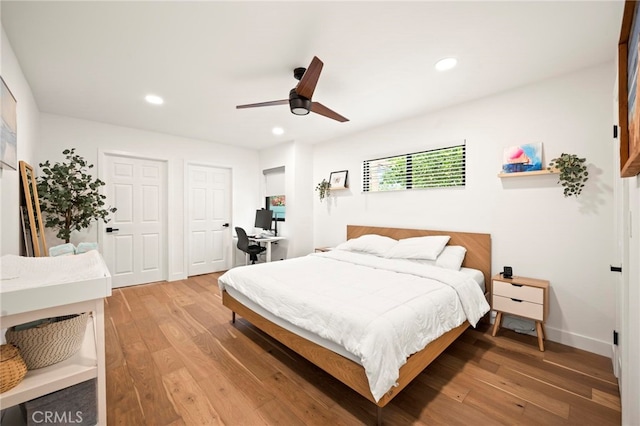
(274, 181)
(436, 168)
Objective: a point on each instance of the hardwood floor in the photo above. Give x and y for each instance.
(174, 358)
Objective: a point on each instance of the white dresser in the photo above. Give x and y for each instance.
(34, 288)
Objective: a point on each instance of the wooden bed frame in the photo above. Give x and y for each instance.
(352, 374)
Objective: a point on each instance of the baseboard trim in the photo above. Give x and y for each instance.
(177, 277)
(579, 341)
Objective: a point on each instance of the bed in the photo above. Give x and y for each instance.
(253, 292)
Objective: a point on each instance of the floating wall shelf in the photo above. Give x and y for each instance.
(534, 173)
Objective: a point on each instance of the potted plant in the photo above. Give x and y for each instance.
(324, 189)
(69, 195)
(573, 173)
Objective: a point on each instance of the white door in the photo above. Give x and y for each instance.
(620, 206)
(208, 215)
(134, 243)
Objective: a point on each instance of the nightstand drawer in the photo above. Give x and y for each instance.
(521, 292)
(524, 309)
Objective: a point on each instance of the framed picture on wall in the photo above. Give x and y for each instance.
(8, 135)
(628, 108)
(338, 180)
(522, 158)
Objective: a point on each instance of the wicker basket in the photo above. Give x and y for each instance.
(49, 343)
(12, 367)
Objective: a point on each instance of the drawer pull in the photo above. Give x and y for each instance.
(516, 300)
(516, 285)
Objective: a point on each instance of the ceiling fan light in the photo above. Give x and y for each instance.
(300, 106)
(299, 111)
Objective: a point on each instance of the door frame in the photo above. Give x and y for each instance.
(185, 213)
(627, 220)
(167, 255)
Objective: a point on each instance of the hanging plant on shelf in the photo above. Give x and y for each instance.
(573, 173)
(324, 188)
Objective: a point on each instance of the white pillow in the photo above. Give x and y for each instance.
(419, 247)
(451, 257)
(370, 243)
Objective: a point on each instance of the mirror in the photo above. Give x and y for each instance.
(33, 217)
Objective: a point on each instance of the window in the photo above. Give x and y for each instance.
(436, 168)
(276, 203)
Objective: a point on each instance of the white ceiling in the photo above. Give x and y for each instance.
(97, 60)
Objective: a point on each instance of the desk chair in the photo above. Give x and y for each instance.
(253, 250)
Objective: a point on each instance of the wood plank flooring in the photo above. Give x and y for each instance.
(174, 358)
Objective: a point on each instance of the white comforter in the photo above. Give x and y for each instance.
(381, 310)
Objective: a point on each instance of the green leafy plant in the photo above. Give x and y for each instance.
(573, 173)
(69, 195)
(324, 188)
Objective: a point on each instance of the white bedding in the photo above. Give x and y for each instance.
(381, 310)
(477, 276)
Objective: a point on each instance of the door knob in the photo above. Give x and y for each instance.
(226, 225)
(110, 229)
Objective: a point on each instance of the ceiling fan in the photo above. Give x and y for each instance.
(300, 97)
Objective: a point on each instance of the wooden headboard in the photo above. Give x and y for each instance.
(478, 245)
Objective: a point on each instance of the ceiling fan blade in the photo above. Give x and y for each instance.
(307, 84)
(262, 104)
(318, 108)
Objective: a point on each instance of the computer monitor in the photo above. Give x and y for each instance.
(263, 219)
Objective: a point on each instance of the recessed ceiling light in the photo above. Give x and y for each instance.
(277, 131)
(153, 99)
(446, 64)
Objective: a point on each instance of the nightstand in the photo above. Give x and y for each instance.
(524, 297)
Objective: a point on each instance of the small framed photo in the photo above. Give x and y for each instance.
(338, 180)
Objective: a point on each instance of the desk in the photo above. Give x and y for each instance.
(267, 241)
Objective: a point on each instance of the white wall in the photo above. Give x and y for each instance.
(302, 201)
(28, 117)
(90, 137)
(296, 158)
(534, 228)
